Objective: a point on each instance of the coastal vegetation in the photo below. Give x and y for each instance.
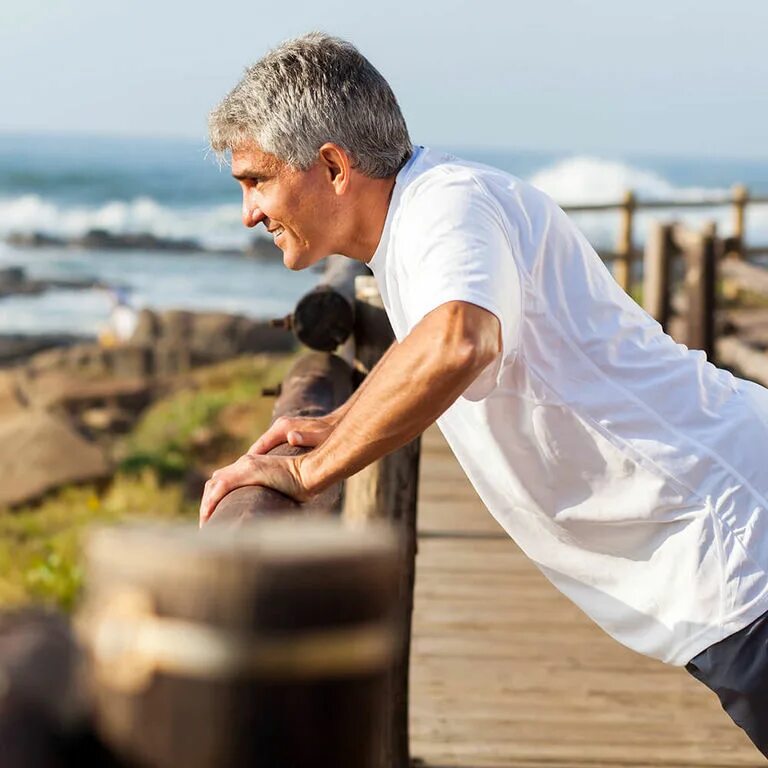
(210, 417)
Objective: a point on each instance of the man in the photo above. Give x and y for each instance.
(622, 463)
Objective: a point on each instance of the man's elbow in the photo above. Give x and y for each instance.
(476, 337)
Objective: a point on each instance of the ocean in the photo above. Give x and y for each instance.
(67, 185)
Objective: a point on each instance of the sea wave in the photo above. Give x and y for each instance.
(583, 180)
(575, 180)
(215, 226)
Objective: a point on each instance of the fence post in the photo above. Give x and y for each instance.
(622, 269)
(740, 200)
(267, 647)
(657, 273)
(388, 489)
(700, 288)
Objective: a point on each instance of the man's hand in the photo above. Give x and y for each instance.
(301, 431)
(282, 473)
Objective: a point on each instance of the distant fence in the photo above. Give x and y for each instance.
(625, 252)
(685, 277)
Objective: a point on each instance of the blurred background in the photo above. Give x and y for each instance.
(118, 225)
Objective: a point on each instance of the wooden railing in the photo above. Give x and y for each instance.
(281, 642)
(625, 251)
(691, 308)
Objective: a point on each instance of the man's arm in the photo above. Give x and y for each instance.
(311, 431)
(416, 381)
(413, 384)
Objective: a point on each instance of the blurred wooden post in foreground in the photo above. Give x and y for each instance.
(388, 489)
(264, 646)
(622, 266)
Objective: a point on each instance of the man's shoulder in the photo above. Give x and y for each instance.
(437, 173)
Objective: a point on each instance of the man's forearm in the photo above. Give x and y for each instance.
(343, 409)
(416, 381)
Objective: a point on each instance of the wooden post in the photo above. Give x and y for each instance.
(267, 646)
(740, 200)
(622, 267)
(700, 288)
(324, 317)
(657, 263)
(44, 707)
(388, 489)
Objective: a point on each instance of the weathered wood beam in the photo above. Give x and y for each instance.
(746, 360)
(324, 317)
(746, 276)
(315, 386)
(657, 275)
(700, 286)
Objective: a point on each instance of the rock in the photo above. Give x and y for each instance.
(15, 348)
(40, 452)
(33, 240)
(181, 339)
(148, 328)
(104, 239)
(11, 397)
(262, 247)
(67, 393)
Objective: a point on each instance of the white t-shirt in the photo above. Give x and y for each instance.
(627, 467)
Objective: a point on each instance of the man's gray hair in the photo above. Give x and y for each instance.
(306, 92)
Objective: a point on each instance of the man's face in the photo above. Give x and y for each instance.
(296, 207)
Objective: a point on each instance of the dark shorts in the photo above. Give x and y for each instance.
(736, 669)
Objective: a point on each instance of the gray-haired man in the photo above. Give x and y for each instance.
(620, 462)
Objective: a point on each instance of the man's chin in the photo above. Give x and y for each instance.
(297, 262)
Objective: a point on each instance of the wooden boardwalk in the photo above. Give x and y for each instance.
(506, 672)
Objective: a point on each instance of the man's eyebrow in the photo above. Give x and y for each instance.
(250, 173)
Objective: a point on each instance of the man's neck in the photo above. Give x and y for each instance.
(367, 226)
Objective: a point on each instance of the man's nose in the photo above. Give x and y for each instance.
(252, 215)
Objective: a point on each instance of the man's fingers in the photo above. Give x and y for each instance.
(221, 483)
(271, 438)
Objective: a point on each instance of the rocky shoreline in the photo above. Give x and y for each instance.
(62, 407)
(260, 247)
(16, 348)
(15, 282)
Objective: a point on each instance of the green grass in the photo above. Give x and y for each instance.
(185, 430)
(40, 545)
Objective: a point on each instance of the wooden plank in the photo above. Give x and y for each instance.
(507, 673)
(747, 276)
(746, 360)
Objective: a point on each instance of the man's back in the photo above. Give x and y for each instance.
(608, 451)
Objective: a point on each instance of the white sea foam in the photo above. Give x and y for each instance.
(218, 225)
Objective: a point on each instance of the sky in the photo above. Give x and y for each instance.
(670, 77)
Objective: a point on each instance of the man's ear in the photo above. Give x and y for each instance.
(337, 166)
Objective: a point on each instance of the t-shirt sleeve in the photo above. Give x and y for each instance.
(458, 248)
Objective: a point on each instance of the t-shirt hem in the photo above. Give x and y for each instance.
(693, 646)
